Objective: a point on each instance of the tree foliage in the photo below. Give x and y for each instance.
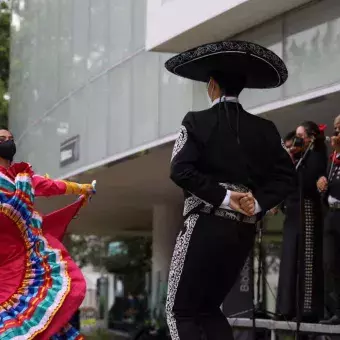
(88, 250)
(133, 262)
(5, 28)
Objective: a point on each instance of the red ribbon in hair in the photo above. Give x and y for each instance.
(322, 127)
(334, 159)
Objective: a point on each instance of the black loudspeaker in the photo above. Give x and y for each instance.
(239, 302)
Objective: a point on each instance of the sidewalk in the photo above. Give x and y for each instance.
(100, 332)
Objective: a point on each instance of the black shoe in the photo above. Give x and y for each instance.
(334, 320)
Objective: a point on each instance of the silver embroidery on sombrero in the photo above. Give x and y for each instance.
(240, 46)
(176, 268)
(180, 141)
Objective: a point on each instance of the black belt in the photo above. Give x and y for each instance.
(192, 202)
(230, 214)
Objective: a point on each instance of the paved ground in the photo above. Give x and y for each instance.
(99, 332)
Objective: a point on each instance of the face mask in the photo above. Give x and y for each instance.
(298, 142)
(7, 150)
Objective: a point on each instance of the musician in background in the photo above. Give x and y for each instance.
(315, 167)
(288, 141)
(331, 189)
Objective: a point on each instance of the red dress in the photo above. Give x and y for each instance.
(41, 287)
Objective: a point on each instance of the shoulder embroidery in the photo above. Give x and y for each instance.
(180, 141)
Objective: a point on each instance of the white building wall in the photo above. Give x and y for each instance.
(177, 25)
(188, 14)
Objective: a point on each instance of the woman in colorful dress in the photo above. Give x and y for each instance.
(41, 287)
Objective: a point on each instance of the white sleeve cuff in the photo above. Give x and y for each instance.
(226, 201)
(257, 207)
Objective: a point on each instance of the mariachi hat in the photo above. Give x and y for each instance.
(261, 67)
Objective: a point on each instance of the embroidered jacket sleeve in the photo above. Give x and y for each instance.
(47, 187)
(184, 171)
(281, 177)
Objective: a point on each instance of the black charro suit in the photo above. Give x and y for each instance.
(210, 251)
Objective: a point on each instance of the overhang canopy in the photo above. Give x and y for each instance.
(177, 25)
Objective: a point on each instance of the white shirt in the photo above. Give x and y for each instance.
(226, 201)
(225, 99)
(331, 199)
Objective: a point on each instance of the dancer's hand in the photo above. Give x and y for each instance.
(248, 204)
(322, 184)
(235, 201)
(88, 189)
(274, 211)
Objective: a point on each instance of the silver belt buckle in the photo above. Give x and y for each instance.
(236, 216)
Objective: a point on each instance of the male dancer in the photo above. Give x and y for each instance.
(233, 168)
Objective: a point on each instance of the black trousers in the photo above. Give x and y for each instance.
(332, 262)
(311, 296)
(209, 254)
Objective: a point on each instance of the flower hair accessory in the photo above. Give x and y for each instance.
(322, 127)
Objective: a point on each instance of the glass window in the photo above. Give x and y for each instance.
(120, 30)
(312, 46)
(175, 99)
(145, 86)
(120, 108)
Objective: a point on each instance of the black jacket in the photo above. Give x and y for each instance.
(207, 154)
(333, 175)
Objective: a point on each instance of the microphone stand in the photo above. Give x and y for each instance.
(301, 244)
(260, 310)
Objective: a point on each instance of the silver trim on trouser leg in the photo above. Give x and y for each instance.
(176, 268)
(309, 255)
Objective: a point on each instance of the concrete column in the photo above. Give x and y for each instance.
(167, 221)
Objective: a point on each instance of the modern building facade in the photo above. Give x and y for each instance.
(90, 97)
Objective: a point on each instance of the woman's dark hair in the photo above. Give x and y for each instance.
(231, 84)
(312, 129)
(289, 136)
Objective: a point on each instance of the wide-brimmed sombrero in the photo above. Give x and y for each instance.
(261, 67)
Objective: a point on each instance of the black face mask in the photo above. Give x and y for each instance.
(8, 150)
(298, 142)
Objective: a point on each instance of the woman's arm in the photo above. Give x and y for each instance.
(47, 187)
(316, 168)
(184, 172)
